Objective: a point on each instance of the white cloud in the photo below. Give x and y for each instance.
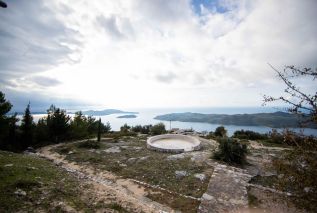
(160, 53)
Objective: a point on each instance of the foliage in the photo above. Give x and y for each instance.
(300, 102)
(158, 129)
(221, 131)
(79, 126)
(27, 128)
(231, 151)
(89, 145)
(250, 135)
(125, 128)
(142, 129)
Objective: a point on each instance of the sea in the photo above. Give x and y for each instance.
(146, 116)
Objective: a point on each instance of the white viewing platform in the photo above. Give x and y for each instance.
(173, 143)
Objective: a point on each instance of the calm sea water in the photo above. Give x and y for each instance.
(146, 116)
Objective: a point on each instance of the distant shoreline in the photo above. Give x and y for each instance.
(273, 120)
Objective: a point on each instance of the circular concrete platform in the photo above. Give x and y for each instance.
(173, 143)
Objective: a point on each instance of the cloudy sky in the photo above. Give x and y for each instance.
(152, 53)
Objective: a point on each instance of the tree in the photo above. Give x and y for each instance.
(299, 102)
(57, 123)
(79, 126)
(158, 129)
(5, 107)
(221, 131)
(27, 128)
(125, 128)
(107, 127)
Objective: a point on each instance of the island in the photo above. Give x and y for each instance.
(127, 116)
(273, 120)
(106, 112)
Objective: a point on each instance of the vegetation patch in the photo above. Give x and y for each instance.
(31, 184)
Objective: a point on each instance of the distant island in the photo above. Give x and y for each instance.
(127, 116)
(273, 120)
(106, 112)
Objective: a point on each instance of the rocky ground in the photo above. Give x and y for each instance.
(123, 176)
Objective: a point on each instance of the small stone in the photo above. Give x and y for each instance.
(20, 192)
(307, 189)
(131, 160)
(207, 197)
(199, 176)
(114, 149)
(176, 157)
(70, 152)
(180, 174)
(8, 165)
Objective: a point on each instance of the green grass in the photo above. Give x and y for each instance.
(45, 186)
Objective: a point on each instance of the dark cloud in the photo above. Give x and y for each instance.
(45, 81)
(32, 39)
(40, 102)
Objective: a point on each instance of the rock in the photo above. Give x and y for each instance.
(143, 158)
(70, 152)
(207, 197)
(131, 160)
(199, 176)
(123, 165)
(8, 165)
(180, 174)
(114, 149)
(20, 192)
(176, 157)
(307, 189)
(30, 149)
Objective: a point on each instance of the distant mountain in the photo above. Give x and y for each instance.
(127, 116)
(274, 120)
(106, 112)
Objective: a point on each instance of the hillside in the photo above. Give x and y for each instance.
(274, 120)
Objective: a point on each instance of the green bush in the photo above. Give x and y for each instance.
(250, 135)
(231, 151)
(158, 129)
(221, 131)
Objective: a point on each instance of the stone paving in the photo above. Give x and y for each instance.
(226, 191)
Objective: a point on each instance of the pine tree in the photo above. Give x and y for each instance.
(27, 128)
(5, 107)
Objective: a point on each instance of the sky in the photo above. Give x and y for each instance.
(153, 53)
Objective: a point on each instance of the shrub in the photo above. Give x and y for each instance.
(221, 131)
(142, 129)
(158, 129)
(89, 145)
(231, 151)
(250, 135)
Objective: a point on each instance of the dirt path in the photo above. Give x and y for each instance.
(107, 185)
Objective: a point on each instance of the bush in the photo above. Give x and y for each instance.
(158, 129)
(89, 144)
(221, 131)
(142, 129)
(250, 135)
(231, 151)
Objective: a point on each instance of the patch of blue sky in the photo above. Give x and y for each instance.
(212, 5)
